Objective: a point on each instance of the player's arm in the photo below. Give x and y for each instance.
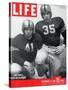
(15, 53)
(63, 30)
(17, 63)
(60, 48)
(64, 35)
(39, 41)
(15, 60)
(37, 26)
(16, 56)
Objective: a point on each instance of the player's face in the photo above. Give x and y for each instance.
(28, 33)
(46, 16)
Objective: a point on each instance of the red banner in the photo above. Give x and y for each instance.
(23, 9)
(37, 82)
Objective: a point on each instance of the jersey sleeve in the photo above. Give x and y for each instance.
(62, 25)
(17, 57)
(15, 52)
(63, 29)
(37, 26)
(16, 41)
(39, 41)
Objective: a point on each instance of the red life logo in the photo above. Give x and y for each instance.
(24, 9)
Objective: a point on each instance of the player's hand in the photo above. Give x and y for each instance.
(59, 49)
(29, 68)
(15, 68)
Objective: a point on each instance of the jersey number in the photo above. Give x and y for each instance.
(29, 47)
(48, 29)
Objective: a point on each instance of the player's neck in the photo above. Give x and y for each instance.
(48, 20)
(28, 38)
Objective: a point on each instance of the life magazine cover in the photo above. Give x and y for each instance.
(37, 44)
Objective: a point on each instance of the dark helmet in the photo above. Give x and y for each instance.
(27, 24)
(45, 9)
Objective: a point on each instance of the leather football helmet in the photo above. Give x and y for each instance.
(28, 25)
(45, 9)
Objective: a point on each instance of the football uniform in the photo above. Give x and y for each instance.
(23, 49)
(50, 32)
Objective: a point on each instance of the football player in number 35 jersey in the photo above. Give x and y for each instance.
(50, 28)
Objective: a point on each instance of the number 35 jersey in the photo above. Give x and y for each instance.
(50, 31)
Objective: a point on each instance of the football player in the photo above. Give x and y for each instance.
(50, 29)
(23, 50)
